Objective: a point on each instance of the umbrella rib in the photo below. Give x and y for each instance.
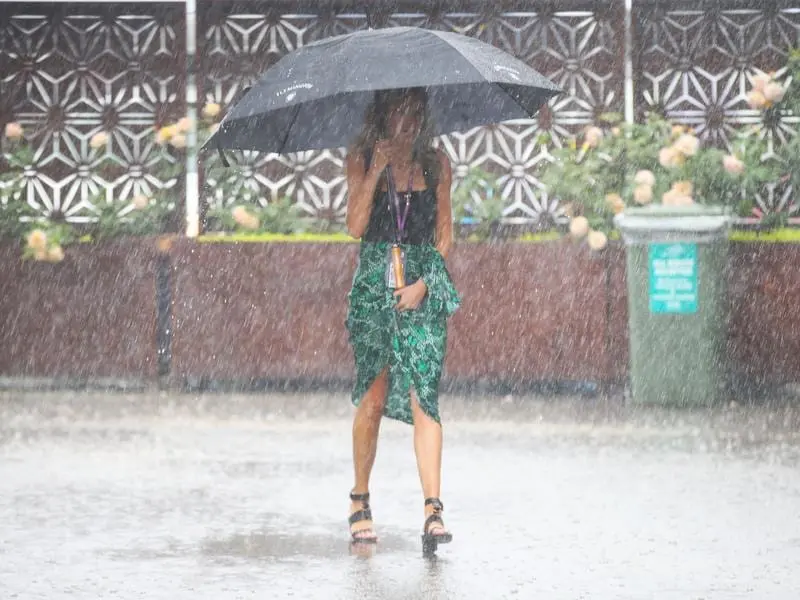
(289, 129)
(501, 85)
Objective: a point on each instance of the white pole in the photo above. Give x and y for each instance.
(629, 91)
(192, 178)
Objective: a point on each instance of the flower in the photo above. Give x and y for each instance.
(55, 254)
(687, 144)
(733, 165)
(615, 203)
(597, 240)
(760, 81)
(239, 213)
(37, 239)
(674, 198)
(677, 131)
(244, 219)
(14, 131)
(756, 99)
(211, 110)
(642, 194)
(178, 140)
(184, 124)
(670, 157)
(774, 92)
(593, 137)
(164, 243)
(165, 134)
(644, 177)
(683, 188)
(579, 226)
(98, 140)
(140, 201)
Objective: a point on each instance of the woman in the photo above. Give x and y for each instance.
(399, 335)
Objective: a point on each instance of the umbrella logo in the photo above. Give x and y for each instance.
(511, 72)
(291, 91)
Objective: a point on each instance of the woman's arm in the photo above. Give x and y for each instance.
(444, 211)
(361, 184)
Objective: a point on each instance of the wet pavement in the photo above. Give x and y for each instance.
(223, 496)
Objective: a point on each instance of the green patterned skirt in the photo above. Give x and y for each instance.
(411, 343)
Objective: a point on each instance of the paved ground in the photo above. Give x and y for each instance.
(225, 497)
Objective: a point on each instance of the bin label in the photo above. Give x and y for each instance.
(673, 278)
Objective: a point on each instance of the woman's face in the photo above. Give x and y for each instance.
(405, 120)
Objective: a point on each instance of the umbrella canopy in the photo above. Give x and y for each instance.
(316, 97)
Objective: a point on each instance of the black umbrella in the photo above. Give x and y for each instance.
(316, 96)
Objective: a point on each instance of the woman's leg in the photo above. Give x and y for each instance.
(428, 448)
(366, 425)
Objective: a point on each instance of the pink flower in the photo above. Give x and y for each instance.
(644, 177)
(670, 157)
(55, 254)
(687, 144)
(642, 194)
(674, 198)
(244, 218)
(37, 239)
(733, 165)
(760, 81)
(597, 240)
(178, 141)
(615, 203)
(684, 188)
(14, 131)
(579, 226)
(756, 100)
(774, 92)
(184, 124)
(98, 140)
(593, 137)
(211, 110)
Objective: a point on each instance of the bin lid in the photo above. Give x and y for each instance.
(695, 222)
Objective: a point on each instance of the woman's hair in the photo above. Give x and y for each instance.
(376, 127)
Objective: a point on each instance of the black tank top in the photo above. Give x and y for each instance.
(421, 224)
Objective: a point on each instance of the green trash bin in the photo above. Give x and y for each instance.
(676, 259)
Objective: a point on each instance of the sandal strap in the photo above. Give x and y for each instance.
(356, 534)
(437, 504)
(360, 498)
(434, 518)
(360, 515)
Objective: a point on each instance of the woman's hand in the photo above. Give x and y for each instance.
(410, 297)
(383, 153)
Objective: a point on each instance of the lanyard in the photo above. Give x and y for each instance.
(401, 221)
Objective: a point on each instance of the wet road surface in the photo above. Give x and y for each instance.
(163, 496)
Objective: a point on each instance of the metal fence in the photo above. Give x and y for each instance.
(69, 70)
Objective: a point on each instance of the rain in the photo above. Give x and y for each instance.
(212, 303)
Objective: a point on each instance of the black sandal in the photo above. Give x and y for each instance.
(431, 540)
(365, 514)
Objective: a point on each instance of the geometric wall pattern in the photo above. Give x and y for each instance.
(576, 44)
(695, 61)
(70, 70)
